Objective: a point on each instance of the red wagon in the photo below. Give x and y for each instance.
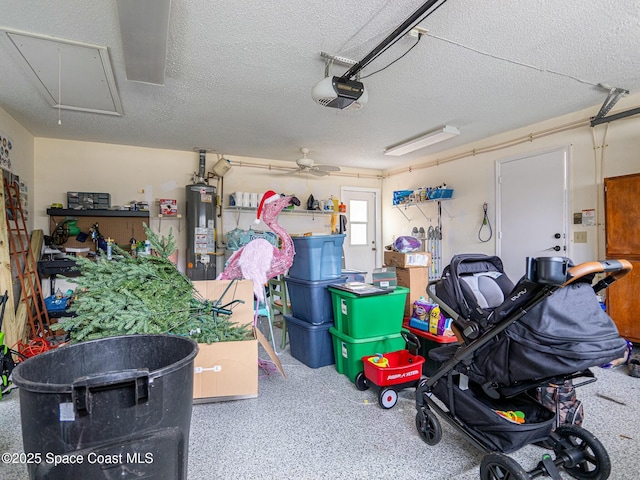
(390, 372)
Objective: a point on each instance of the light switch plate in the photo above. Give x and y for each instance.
(579, 237)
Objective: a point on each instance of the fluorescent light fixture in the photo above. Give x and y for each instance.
(422, 141)
(144, 29)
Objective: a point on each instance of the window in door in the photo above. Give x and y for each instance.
(358, 222)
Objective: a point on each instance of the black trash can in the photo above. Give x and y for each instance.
(114, 408)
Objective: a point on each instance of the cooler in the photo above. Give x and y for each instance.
(427, 342)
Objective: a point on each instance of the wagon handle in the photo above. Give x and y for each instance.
(618, 269)
(411, 338)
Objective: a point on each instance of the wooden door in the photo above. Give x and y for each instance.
(622, 221)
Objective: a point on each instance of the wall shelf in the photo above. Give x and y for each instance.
(289, 212)
(70, 212)
(312, 213)
(240, 210)
(418, 205)
(162, 217)
(120, 225)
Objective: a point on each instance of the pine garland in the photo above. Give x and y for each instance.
(144, 294)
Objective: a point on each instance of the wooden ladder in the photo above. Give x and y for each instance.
(24, 255)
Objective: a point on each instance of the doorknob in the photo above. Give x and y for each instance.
(557, 248)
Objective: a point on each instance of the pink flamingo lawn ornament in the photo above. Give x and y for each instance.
(259, 260)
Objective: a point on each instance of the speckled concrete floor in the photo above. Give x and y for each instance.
(315, 424)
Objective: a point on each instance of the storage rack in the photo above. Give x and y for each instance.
(120, 225)
(432, 242)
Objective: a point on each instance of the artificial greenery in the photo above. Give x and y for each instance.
(144, 294)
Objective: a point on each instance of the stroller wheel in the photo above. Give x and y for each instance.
(387, 397)
(428, 426)
(361, 382)
(584, 455)
(498, 466)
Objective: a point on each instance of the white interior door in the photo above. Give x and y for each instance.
(363, 236)
(532, 217)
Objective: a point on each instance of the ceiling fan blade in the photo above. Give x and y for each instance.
(317, 172)
(327, 168)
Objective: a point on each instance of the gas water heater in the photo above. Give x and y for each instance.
(201, 227)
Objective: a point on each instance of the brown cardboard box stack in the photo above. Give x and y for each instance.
(406, 260)
(229, 370)
(412, 272)
(416, 280)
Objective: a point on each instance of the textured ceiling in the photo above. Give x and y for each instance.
(239, 74)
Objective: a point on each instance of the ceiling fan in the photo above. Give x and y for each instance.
(306, 164)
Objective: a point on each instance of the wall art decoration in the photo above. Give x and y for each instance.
(5, 151)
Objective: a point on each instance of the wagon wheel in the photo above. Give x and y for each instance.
(498, 466)
(387, 397)
(592, 461)
(428, 426)
(361, 382)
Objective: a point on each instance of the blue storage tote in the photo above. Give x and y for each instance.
(311, 344)
(318, 257)
(311, 301)
(354, 275)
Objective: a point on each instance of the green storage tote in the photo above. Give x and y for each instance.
(348, 351)
(368, 316)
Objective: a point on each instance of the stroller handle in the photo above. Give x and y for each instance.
(617, 268)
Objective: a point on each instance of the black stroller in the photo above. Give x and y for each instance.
(546, 330)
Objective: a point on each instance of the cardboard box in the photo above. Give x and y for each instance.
(416, 280)
(229, 370)
(406, 260)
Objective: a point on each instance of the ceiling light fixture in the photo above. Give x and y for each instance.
(416, 143)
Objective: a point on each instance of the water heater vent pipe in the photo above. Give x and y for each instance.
(201, 167)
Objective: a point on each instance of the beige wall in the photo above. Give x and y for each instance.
(21, 156)
(136, 173)
(51, 167)
(473, 180)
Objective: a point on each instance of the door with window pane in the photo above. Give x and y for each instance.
(362, 232)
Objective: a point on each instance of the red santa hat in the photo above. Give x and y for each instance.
(268, 197)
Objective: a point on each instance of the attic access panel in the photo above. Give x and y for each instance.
(71, 75)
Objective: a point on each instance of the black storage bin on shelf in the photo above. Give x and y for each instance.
(478, 412)
(121, 404)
